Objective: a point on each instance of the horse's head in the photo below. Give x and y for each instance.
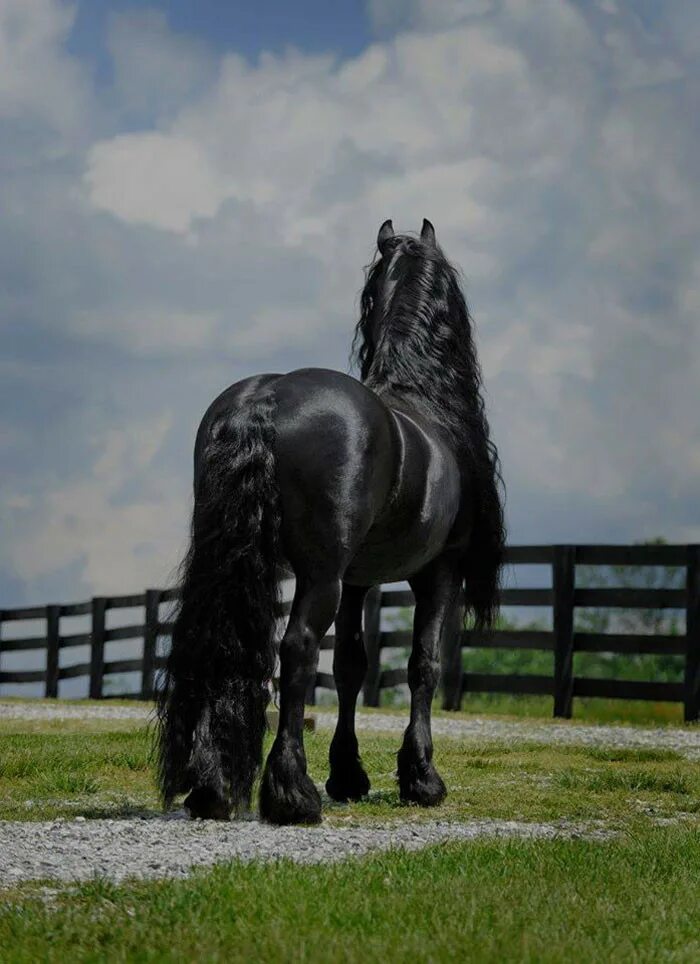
(402, 262)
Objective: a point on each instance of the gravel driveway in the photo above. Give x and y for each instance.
(170, 846)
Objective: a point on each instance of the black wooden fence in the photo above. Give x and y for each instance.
(563, 597)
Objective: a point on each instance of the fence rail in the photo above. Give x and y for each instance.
(563, 640)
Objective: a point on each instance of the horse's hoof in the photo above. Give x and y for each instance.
(298, 804)
(419, 782)
(426, 793)
(349, 784)
(288, 795)
(203, 803)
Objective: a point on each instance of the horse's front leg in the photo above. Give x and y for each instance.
(436, 590)
(287, 793)
(347, 779)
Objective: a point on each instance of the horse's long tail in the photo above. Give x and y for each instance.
(212, 707)
(486, 553)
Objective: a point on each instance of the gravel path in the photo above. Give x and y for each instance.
(171, 846)
(685, 740)
(478, 730)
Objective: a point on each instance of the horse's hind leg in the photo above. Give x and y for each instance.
(436, 590)
(348, 780)
(287, 793)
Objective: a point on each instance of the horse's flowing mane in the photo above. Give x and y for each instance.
(414, 340)
(414, 343)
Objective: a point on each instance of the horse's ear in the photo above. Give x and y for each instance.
(385, 232)
(428, 233)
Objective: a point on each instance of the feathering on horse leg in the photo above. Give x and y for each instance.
(437, 604)
(287, 793)
(347, 779)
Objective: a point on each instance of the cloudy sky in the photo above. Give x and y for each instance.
(188, 193)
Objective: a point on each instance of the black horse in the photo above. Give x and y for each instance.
(346, 484)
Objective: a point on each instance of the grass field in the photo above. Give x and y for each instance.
(633, 897)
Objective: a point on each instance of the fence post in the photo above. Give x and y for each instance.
(372, 634)
(691, 697)
(452, 672)
(53, 642)
(150, 637)
(564, 584)
(97, 647)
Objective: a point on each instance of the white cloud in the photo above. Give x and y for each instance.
(637, 68)
(117, 546)
(155, 179)
(155, 70)
(150, 332)
(38, 81)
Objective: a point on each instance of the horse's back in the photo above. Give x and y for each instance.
(336, 454)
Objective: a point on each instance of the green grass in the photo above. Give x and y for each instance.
(103, 768)
(630, 899)
(69, 770)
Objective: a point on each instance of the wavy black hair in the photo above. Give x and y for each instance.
(414, 342)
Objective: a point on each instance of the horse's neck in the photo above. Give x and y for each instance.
(418, 411)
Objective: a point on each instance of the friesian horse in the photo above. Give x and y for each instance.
(346, 484)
